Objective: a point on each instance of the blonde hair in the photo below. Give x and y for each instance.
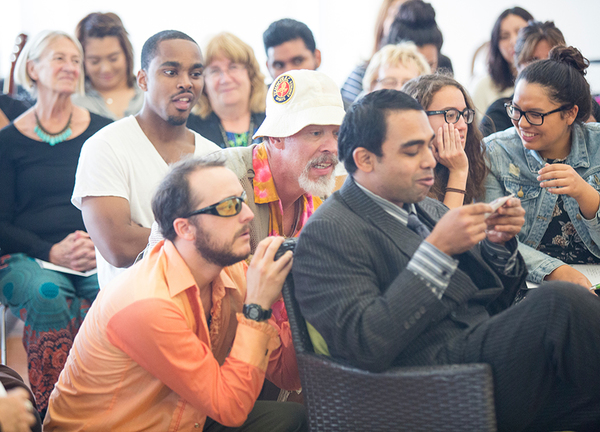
(230, 46)
(404, 54)
(33, 51)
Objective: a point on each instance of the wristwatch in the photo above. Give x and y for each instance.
(256, 312)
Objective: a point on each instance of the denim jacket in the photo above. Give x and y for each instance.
(514, 169)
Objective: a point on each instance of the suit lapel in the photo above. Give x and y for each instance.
(405, 239)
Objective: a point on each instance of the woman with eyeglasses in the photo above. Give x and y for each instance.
(232, 106)
(461, 168)
(394, 65)
(551, 161)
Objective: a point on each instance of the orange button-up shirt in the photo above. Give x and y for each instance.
(145, 358)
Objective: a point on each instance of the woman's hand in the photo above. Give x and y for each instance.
(75, 251)
(563, 179)
(449, 151)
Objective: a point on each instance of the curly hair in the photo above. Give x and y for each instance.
(423, 89)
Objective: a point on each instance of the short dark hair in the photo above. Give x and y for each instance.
(288, 29)
(173, 198)
(101, 25)
(151, 45)
(563, 77)
(415, 22)
(365, 123)
(499, 69)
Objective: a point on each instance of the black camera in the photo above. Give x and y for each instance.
(287, 245)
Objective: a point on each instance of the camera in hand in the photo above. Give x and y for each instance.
(288, 244)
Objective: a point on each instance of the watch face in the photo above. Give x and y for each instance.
(253, 312)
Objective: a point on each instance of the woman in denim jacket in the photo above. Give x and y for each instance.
(551, 161)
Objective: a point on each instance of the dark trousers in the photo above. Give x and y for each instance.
(267, 416)
(545, 357)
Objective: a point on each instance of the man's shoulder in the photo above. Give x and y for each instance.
(203, 145)
(239, 159)
(121, 134)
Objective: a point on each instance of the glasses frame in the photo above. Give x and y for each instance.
(460, 113)
(212, 209)
(212, 73)
(509, 106)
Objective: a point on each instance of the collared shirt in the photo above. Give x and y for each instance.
(145, 358)
(434, 266)
(266, 193)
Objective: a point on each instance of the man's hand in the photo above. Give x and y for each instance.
(506, 222)
(75, 251)
(568, 274)
(16, 411)
(265, 276)
(460, 229)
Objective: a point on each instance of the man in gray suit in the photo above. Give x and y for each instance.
(388, 277)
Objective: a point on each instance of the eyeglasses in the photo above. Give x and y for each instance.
(452, 115)
(233, 69)
(533, 117)
(389, 83)
(225, 208)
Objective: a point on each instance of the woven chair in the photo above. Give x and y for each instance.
(343, 398)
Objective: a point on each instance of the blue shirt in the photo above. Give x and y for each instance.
(514, 169)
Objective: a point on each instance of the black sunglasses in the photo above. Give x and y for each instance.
(225, 208)
(452, 115)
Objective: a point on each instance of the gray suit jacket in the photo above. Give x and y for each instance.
(353, 286)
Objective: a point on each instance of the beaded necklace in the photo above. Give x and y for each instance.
(51, 138)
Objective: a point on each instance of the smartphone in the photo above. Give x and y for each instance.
(499, 202)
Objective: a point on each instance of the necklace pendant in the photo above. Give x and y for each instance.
(109, 101)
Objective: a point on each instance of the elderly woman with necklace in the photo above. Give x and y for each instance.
(38, 158)
(232, 106)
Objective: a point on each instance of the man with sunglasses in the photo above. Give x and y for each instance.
(122, 164)
(388, 277)
(286, 175)
(182, 340)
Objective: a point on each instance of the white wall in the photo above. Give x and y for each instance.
(343, 28)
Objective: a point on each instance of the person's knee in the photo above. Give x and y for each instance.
(559, 292)
(295, 417)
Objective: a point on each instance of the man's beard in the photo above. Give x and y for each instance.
(176, 120)
(221, 255)
(324, 185)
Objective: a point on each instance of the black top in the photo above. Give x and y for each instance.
(445, 63)
(37, 183)
(12, 108)
(209, 127)
(496, 119)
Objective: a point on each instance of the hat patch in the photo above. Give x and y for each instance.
(283, 89)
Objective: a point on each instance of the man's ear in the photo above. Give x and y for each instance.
(278, 143)
(142, 79)
(317, 54)
(184, 229)
(364, 159)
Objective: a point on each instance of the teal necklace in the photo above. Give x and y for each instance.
(51, 138)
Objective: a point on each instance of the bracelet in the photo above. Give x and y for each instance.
(460, 191)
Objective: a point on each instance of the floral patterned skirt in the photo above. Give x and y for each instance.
(53, 306)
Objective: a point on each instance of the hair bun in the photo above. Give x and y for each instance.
(416, 14)
(570, 56)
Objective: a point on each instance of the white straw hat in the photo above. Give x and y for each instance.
(300, 98)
